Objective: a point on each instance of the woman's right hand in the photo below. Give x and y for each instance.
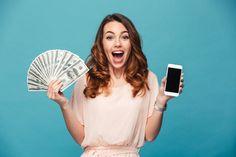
(55, 94)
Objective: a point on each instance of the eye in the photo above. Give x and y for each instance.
(125, 37)
(109, 37)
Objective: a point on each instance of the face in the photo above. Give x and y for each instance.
(116, 44)
(72, 74)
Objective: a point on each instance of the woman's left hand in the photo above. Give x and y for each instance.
(162, 98)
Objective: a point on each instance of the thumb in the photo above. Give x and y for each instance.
(163, 82)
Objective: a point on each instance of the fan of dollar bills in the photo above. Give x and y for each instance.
(55, 65)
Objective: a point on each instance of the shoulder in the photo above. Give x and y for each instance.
(152, 80)
(151, 76)
(81, 82)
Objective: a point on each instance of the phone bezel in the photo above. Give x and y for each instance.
(175, 66)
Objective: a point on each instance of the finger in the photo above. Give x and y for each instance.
(50, 87)
(58, 87)
(163, 81)
(181, 85)
(180, 90)
(49, 93)
(51, 90)
(182, 75)
(51, 82)
(55, 84)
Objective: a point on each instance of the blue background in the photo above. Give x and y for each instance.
(199, 34)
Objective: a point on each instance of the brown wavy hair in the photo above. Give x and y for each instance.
(136, 72)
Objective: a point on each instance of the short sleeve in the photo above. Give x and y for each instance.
(77, 99)
(154, 89)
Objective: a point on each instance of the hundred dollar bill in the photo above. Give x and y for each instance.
(72, 74)
(55, 65)
(36, 87)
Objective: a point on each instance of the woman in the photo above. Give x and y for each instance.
(118, 105)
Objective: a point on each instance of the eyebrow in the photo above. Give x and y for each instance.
(114, 33)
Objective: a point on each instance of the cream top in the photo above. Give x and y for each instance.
(117, 119)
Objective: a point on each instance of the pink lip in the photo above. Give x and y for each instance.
(118, 60)
(117, 51)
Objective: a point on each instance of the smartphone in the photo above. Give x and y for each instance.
(173, 74)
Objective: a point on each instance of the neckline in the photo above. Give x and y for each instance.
(116, 87)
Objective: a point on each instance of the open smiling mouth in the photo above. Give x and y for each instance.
(117, 54)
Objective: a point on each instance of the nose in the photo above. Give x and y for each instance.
(117, 43)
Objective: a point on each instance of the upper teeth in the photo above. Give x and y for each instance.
(117, 52)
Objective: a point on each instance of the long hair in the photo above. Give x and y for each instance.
(136, 71)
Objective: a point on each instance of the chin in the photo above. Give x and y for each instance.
(117, 66)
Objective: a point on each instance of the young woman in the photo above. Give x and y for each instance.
(118, 105)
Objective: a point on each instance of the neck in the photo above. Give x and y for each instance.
(116, 73)
(117, 77)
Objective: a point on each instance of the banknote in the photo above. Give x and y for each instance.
(55, 65)
(71, 74)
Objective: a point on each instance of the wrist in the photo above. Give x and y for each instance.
(159, 106)
(64, 105)
(162, 102)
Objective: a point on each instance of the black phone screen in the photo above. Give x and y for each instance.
(173, 80)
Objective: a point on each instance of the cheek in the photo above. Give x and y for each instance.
(106, 51)
(129, 51)
(128, 55)
(128, 46)
(106, 46)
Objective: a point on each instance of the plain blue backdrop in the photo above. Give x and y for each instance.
(199, 34)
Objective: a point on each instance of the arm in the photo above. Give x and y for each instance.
(154, 122)
(73, 125)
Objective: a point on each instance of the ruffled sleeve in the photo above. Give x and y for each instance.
(154, 89)
(77, 99)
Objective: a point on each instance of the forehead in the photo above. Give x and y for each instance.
(114, 26)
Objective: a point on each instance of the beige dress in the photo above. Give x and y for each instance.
(114, 125)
